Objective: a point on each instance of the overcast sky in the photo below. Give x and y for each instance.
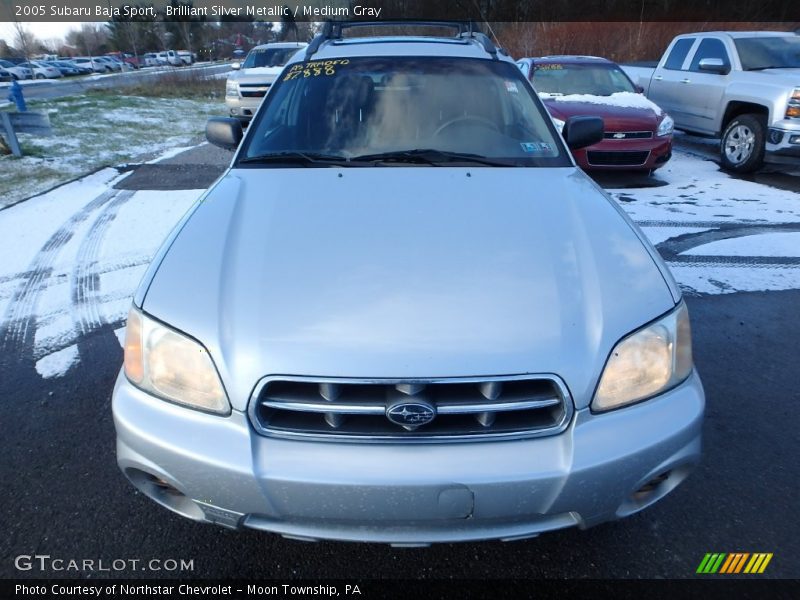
(43, 31)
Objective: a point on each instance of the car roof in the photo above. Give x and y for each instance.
(743, 34)
(400, 46)
(280, 45)
(571, 59)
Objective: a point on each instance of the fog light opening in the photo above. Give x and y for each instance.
(160, 490)
(648, 489)
(654, 489)
(775, 136)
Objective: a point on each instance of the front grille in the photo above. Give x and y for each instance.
(411, 410)
(617, 159)
(248, 90)
(628, 135)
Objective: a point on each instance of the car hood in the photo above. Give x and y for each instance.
(788, 76)
(407, 272)
(256, 75)
(624, 110)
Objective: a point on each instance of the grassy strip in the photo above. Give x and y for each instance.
(100, 129)
(179, 84)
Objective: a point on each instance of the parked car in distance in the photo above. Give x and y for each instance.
(65, 67)
(150, 59)
(251, 79)
(5, 76)
(124, 65)
(82, 69)
(96, 66)
(42, 70)
(130, 61)
(638, 134)
(17, 72)
(111, 64)
(187, 57)
(169, 57)
(403, 315)
(739, 86)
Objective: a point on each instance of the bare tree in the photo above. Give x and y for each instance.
(24, 40)
(89, 39)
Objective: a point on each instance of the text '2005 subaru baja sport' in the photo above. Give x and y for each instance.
(403, 315)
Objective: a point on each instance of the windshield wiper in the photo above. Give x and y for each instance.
(299, 158)
(430, 156)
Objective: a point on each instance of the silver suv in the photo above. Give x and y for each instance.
(251, 80)
(404, 315)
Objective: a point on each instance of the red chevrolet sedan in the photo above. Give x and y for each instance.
(638, 134)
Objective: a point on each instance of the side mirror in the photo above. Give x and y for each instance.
(713, 65)
(639, 89)
(236, 65)
(580, 132)
(225, 132)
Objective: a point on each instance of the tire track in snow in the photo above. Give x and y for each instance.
(107, 267)
(18, 326)
(85, 289)
(85, 279)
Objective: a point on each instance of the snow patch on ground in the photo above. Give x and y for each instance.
(698, 197)
(86, 281)
(57, 363)
(724, 279)
(697, 190)
(765, 244)
(120, 333)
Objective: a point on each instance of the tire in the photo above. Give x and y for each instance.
(39, 76)
(742, 145)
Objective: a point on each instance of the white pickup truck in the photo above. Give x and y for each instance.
(742, 87)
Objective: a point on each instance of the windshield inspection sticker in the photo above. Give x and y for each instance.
(511, 87)
(315, 69)
(530, 147)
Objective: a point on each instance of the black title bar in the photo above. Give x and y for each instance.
(467, 10)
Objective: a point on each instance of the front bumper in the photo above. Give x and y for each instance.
(242, 108)
(217, 469)
(783, 142)
(652, 153)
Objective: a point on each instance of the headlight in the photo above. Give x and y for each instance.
(231, 89)
(647, 362)
(793, 107)
(666, 126)
(559, 124)
(170, 365)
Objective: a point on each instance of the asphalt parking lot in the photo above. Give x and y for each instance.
(66, 299)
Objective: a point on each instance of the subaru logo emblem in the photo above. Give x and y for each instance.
(411, 415)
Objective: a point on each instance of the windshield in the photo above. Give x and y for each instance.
(769, 52)
(558, 79)
(405, 110)
(269, 57)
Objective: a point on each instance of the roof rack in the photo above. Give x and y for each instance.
(332, 30)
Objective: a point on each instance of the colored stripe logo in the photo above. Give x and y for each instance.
(733, 563)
